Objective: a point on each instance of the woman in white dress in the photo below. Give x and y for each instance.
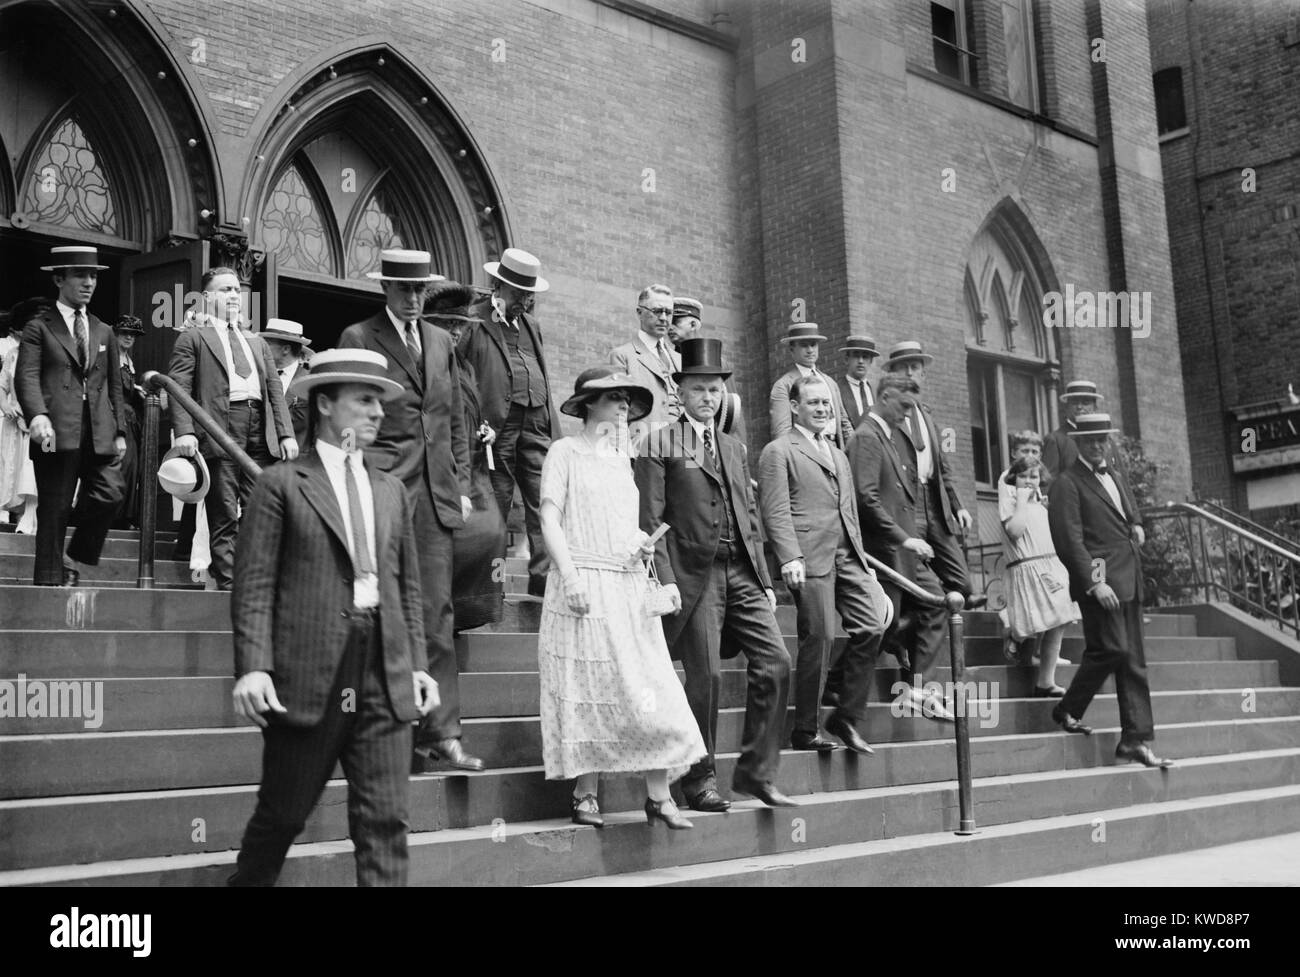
(17, 476)
(611, 702)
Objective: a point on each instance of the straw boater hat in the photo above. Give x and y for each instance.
(129, 324)
(396, 265)
(285, 331)
(683, 306)
(804, 330)
(595, 381)
(702, 357)
(860, 344)
(450, 300)
(75, 256)
(1081, 390)
(346, 366)
(184, 478)
(520, 269)
(1087, 425)
(908, 349)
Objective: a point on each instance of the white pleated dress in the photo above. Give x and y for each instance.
(1037, 583)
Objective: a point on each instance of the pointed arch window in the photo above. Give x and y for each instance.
(292, 225)
(377, 227)
(68, 184)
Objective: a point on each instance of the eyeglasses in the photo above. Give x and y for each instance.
(657, 313)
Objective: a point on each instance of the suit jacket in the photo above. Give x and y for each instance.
(293, 587)
(422, 439)
(49, 380)
(678, 486)
(886, 495)
(649, 371)
(1086, 528)
(851, 406)
(779, 407)
(484, 348)
(298, 406)
(808, 504)
(1060, 452)
(948, 500)
(198, 364)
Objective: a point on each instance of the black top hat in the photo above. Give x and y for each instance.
(701, 357)
(450, 300)
(595, 381)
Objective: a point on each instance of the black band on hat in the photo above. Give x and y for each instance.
(512, 277)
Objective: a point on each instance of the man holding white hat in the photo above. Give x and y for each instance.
(69, 387)
(288, 344)
(505, 350)
(422, 441)
(803, 340)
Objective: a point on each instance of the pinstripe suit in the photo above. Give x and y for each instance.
(344, 678)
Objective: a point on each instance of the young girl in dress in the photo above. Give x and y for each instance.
(611, 702)
(1038, 590)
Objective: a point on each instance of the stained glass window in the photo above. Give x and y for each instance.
(68, 185)
(292, 227)
(377, 229)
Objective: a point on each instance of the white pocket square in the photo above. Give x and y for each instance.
(102, 348)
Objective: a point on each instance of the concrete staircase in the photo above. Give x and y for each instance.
(157, 789)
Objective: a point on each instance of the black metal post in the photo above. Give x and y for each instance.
(957, 652)
(149, 487)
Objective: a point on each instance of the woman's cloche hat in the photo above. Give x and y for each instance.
(595, 381)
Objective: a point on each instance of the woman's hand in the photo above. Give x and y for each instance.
(639, 548)
(575, 595)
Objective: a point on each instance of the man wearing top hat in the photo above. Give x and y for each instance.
(422, 440)
(231, 374)
(329, 638)
(288, 344)
(505, 350)
(855, 389)
(804, 340)
(1059, 448)
(1097, 532)
(688, 324)
(694, 478)
(70, 389)
(940, 516)
(650, 359)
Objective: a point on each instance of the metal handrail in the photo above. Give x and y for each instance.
(1223, 512)
(1196, 510)
(153, 383)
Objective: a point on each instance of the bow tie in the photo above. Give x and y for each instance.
(1102, 469)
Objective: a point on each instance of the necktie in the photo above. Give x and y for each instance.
(413, 344)
(709, 446)
(1102, 469)
(83, 341)
(917, 439)
(666, 358)
(242, 366)
(360, 551)
(821, 446)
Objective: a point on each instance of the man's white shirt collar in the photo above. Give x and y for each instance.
(651, 342)
(332, 456)
(884, 424)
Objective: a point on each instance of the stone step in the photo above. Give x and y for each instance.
(115, 548)
(136, 703)
(116, 654)
(121, 572)
(1002, 853)
(628, 851)
(95, 761)
(105, 609)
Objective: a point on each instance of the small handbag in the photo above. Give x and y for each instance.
(658, 600)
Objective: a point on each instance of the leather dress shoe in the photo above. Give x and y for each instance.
(587, 811)
(71, 577)
(666, 811)
(842, 727)
(1069, 723)
(811, 741)
(765, 791)
(1141, 753)
(708, 800)
(1051, 692)
(451, 752)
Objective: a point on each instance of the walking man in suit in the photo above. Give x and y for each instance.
(650, 359)
(1097, 532)
(1059, 448)
(423, 442)
(887, 496)
(505, 350)
(940, 516)
(70, 391)
(804, 341)
(688, 324)
(810, 511)
(330, 537)
(694, 478)
(855, 388)
(288, 345)
(231, 374)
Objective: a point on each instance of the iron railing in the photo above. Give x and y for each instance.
(1223, 512)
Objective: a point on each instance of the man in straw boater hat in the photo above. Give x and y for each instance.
(855, 389)
(650, 358)
(423, 442)
(940, 516)
(70, 391)
(1097, 532)
(688, 324)
(804, 339)
(694, 478)
(330, 537)
(288, 345)
(505, 350)
(1059, 448)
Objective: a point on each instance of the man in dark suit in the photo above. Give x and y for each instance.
(68, 385)
(505, 350)
(855, 389)
(288, 346)
(651, 360)
(329, 640)
(887, 495)
(804, 339)
(423, 442)
(810, 511)
(940, 516)
(687, 324)
(1059, 448)
(232, 376)
(1097, 532)
(695, 479)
